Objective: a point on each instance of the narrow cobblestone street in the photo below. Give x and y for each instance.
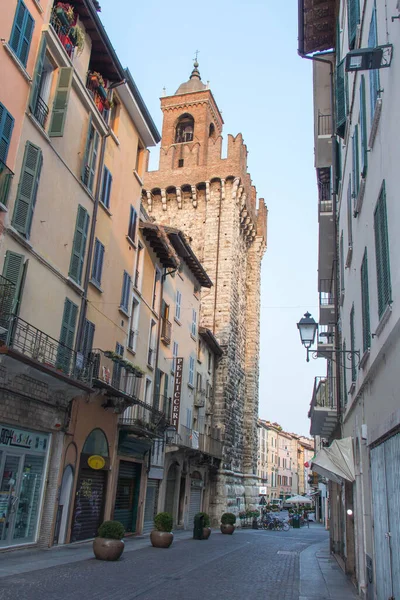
(248, 565)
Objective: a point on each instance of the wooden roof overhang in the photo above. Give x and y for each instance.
(210, 340)
(185, 251)
(317, 26)
(162, 248)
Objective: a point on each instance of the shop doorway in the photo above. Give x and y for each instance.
(170, 489)
(150, 507)
(127, 496)
(196, 485)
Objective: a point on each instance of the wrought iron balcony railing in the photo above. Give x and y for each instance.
(324, 393)
(142, 416)
(6, 176)
(117, 373)
(41, 111)
(191, 438)
(166, 329)
(326, 295)
(324, 124)
(31, 342)
(326, 334)
(62, 32)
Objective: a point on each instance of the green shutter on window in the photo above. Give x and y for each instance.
(79, 245)
(27, 189)
(21, 34)
(353, 343)
(382, 253)
(355, 165)
(365, 304)
(59, 113)
(340, 90)
(93, 160)
(363, 126)
(344, 377)
(88, 335)
(37, 75)
(67, 335)
(13, 269)
(85, 165)
(353, 19)
(338, 165)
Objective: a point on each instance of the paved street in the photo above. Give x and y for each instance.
(254, 565)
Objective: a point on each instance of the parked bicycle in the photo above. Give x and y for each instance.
(273, 523)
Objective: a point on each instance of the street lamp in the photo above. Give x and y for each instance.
(307, 328)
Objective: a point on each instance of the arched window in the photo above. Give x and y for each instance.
(96, 443)
(184, 129)
(211, 133)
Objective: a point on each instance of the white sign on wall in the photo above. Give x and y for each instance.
(262, 491)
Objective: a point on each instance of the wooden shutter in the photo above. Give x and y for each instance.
(353, 19)
(27, 189)
(355, 165)
(338, 165)
(157, 385)
(12, 270)
(88, 335)
(373, 74)
(67, 335)
(353, 343)
(349, 215)
(382, 253)
(132, 224)
(60, 104)
(37, 77)
(365, 304)
(6, 128)
(85, 162)
(340, 90)
(79, 245)
(97, 267)
(125, 291)
(363, 125)
(21, 33)
(106, 187)
(93, 159)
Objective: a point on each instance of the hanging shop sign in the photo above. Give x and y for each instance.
(96, 462)
(11, 437)
(176, 401)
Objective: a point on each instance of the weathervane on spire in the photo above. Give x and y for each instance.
(195, 62)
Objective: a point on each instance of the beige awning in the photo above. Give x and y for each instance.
(336, 462)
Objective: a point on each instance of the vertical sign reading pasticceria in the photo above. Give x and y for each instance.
(176, 402)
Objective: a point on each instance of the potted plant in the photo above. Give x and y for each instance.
(162, 536)
(65, 13)
(96, 79)
(108, 545)
(206, 525)
(77, 37)
(228, 521)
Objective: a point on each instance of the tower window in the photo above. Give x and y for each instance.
(211, 133)
(180, 162)
(184, 129)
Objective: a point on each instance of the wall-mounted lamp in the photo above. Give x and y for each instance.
(367, 59)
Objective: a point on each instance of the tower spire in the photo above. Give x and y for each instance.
(195, 72)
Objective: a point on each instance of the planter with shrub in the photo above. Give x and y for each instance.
(162, 536)
(228, 521)
(108, 545)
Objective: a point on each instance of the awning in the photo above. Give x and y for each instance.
(336, 462)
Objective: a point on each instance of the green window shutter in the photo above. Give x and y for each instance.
(13, 269)
(382, 253)
(21, 33)
(126, 285)
(106, 187)
(132, 224)
(337, 44)
(97, 266)
(353, 19)
(338, 165)
(341, 250)
(349, 215)
(344, 377)
(365, 304)
(353, 343)
(355, 165)
(59, 113)
(37, 77)
(93, 160)
(67, 335)
(27, 189)
(374, 73)
(340, 100)
(88, 335)
(79, 245)
(6, 129)
(363, 127)
(85, 165)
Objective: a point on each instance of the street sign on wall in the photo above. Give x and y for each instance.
(176, 400)
(262, 491)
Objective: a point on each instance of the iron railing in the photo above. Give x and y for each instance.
(99, 95)
(191, 438)
(166, 329)
(41, 111)
(325, 334)
(62, 33)
(324, 197)
(7, 295)
(324, 124)
(6, 176)
(143, 416)
(116, 373)
(324, 393)
(326, 295)
(30, 341)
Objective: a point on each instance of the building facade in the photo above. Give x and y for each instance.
(213, 202)
(355, 407)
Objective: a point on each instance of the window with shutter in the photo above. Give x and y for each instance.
(6, 129)
(341, 251)
(355, 165)
(88, 336)
(90, 158)
(340, 100)
(12, 270)
(353, 19)
(174, 354)
(132, 224)
(37, 77)
(27, 189)
(191, 370)
(382, 253)
(353, 344)
(97, 267)
(119, 349)
(65, 353)
(21, 33)
(126, 284)
(178, 305)
(365, 304)
(79, 245)
(194, 322)
(344, 378)
(349, 215)
(60, 104)
(363, 127)
(374, 73)
(106, 188)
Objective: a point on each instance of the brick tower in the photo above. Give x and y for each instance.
(214, 202)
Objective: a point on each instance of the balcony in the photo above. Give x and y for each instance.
(118, 376)
(62, 28)
(325, 341)
(166, 329)
(326, 246)
(326, 302)
(323, 408)
(98, 91)
(191, 438)
(41, 112)
(142, 418)
(6, 176)
(324, 125)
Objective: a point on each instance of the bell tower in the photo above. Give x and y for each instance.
(191, 119)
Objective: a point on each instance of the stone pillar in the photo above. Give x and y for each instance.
(50, 504)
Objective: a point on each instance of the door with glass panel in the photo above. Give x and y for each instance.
(10, 472)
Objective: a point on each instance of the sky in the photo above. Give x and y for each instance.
(248, 53)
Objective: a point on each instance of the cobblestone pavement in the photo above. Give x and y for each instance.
(250, 565)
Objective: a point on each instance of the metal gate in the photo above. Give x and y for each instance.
(194, 505)
(89, 504)
(127, 496)
(150, 507)
(385, 474)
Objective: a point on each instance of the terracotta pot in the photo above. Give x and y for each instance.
(206, 533)
(161, 539)
(229, 529)
(106, 549)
